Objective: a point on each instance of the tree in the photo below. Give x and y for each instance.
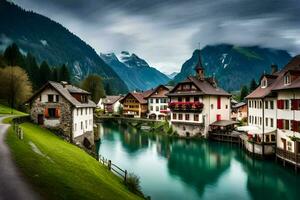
(32, 69)
(15, 85)
(94, 84)
(55, 74)
(45, 73)
(253, 85)
(244, 93)
(64, 74)
(13, 56)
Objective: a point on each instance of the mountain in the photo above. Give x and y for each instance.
(234, 66)
(172, 75)
(50, 41)
(134, 71)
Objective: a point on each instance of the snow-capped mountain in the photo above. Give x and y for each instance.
(134, 71)
(234, 66)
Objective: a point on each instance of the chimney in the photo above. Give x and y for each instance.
(64, 83)
(274, 68)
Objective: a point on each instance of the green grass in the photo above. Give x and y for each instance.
(7, 111)
(65, 171)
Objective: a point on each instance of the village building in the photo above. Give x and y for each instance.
(197, 102)
(239, 111)
(110, 104)
(158, 103)
(135, 104)
(274, 109)
(66, 109)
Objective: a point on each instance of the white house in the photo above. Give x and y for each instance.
(196, 103)
(65, 109)
(158, 103)
(110, 104)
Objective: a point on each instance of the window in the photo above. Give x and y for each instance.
(273, 138)
(287, 79)
(250, 119)
(57, 98)
(196, 98)
(264, 83)
(266, 105)
(180, 116)
(86, 110)
(226, 106)
(260, 104)
(271, 122)
(40, 97)
(212, 106)
(52, 112)
(81, 125)
(151, 100)
(218, 117)
(151, 108)
(254, 104)
(157, 100)
(286, 125)
(157, 108)
(187, 116)
(287, 104)
(187, 99)
(272, 105)
(196, 117)
(50, 97)
(267, 121)
(77, 112)
(81, 111)
(179, 99)
(174, 116)
(260, 120)
(86, 124)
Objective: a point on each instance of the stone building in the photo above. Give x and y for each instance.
(66, 109)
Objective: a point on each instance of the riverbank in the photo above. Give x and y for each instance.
(60, 170)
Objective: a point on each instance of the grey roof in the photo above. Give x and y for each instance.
(240, 104)
(65, 92)
(111, 99)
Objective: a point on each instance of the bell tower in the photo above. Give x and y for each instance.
(199, 68)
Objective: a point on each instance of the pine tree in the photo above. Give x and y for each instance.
(94, 84)
(32, 69)
(64, 74)
(244, 93)
(45, 73)
(13, 56)
(253, 85)
(55, 75)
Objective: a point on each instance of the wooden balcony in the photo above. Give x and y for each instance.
(195, 107)
(289, 156)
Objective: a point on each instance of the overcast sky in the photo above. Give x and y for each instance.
(165, 32)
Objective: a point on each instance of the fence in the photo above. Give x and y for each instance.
(114, 168)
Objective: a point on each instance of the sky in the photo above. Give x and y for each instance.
(166, 32)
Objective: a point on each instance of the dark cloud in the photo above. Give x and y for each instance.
(166, 32)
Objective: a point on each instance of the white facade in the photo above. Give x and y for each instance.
(83, 121)
(157, 107)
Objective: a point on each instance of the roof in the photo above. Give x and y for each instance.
(240, 104)
(111, 99)
(276, 82)
(224, 123)
(255, 129)
(140, 97)
(205, 86)
(64, 90)
(159, 95)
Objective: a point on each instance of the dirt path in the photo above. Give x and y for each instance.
(12, 185)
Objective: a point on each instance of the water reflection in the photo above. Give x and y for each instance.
(188, 169)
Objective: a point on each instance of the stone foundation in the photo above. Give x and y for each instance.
(86, 140)
(188, 129)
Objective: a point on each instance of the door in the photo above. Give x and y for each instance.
(40, 119)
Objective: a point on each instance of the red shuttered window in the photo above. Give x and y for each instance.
(219, 103)
(295, 104)
(280, 123)
(218, 117)
(280, 104)
(295, 126)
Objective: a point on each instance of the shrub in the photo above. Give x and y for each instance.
(133, 183)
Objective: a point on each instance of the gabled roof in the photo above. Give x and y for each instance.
(137, 95)
(238, 105)
(153, 93)
(112, 99)
(205, 86)
(64, 91)
(278, 82)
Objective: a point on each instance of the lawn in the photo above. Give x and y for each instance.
(60, 170)
(6, 110)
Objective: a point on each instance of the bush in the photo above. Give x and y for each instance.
(133, 183)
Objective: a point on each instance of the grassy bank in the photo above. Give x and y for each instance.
(59, 170)
(4, 110)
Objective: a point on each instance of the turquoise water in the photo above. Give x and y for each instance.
(195, 169)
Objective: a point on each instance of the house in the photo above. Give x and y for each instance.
(197, 102)
(158, 103)
(274, 109)
(110, 104)
(239, 111)
(66, 109)
(135, 104)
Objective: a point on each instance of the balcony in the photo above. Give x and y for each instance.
(196, 106)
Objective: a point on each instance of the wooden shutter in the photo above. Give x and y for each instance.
(280, 104)
(280, 123)
(219, 103)
(218, 117)
(295, 126)
(57, 112)
(295, 104)
(46, 113)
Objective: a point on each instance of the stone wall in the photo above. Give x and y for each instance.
(188, 129)
(89, 136)
(62, 124)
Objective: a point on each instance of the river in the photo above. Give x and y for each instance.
(195, 169)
